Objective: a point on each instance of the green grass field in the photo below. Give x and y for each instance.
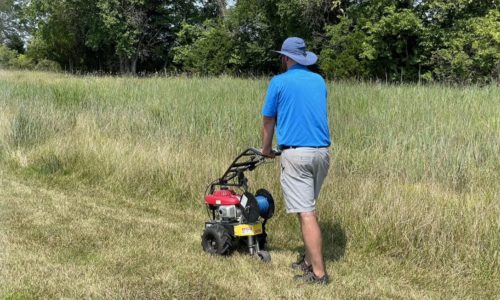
(102, 182)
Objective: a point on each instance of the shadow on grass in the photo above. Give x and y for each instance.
(334, 241)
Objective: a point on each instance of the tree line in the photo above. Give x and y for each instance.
(391, 40)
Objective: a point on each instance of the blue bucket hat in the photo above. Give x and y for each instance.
(295, 48)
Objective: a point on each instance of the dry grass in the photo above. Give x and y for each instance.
(102, 180)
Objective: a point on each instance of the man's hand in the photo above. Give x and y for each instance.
(267, 153)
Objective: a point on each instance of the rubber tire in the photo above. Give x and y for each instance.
(262, 240)
(216, 240)
(264, 256)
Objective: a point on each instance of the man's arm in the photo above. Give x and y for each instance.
(267, 135)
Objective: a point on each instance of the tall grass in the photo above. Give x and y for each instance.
(415, 172)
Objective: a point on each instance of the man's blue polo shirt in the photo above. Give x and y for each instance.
(298, 101)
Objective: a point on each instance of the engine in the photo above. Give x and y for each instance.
(228, 206)
(228, 213)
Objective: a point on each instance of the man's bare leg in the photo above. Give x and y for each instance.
(311, 235)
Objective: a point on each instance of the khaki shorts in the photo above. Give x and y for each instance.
(303, 171)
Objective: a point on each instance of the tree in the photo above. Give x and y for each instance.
(378, 39)
(394, 40)
(204, 49)
(259, 26)
(469, 52)
(11, 30)
(61, 30)
(145, 30)
(342, 56)
(461, 40)
(125, 24)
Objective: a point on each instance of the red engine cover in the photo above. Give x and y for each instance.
(223, 197)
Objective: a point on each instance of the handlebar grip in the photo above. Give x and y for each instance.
(255, 150)
(274, 151)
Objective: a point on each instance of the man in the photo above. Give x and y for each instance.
(296, 104)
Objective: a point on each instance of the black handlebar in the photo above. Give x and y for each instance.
(237, 168)
(276, 152)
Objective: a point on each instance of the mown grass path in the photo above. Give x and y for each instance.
(90, 243)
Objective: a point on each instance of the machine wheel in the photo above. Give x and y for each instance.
(264, 256)
(216, 240)
(262, 240)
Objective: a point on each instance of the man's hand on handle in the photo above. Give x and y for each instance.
(268, 153)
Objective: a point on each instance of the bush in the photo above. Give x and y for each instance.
(470, 51)
(47, 65)
(341, 55)
(10, 59)
(204, 49)
(7, 56)
(23, 62)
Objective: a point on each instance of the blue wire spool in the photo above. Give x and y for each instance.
(265, 202)
(263, 205)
